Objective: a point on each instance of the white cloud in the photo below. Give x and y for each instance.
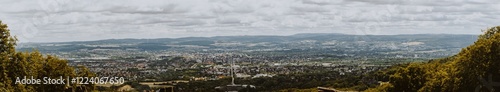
(72, 20)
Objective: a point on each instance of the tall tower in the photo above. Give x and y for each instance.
(233, 87)
(232, 72)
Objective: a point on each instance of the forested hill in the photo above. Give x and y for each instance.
(438, 38)
(474, 69)
(433, 41)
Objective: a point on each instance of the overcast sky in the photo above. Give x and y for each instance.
(79, 20)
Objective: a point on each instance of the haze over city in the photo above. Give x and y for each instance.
(84, 20)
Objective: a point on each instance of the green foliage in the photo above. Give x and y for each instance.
(479, 61)
(382, 88)
(299, 90)
(19, 64)
(288, 82)
(7, 51)
(467, 71)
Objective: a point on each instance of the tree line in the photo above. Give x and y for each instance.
(15, 64)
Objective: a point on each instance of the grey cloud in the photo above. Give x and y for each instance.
(426, 2)
(243, 9)
(183, 18)
(322, 2)
(167, 9)
(234, 10)
(157, 21)
(200, 16)
(466, 9)
(187, 23)
(405, 18)
(309, 9)
(315, 2)
(228, 21)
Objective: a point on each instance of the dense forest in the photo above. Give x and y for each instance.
(14, 64)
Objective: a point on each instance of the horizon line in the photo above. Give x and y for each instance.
(244, 35)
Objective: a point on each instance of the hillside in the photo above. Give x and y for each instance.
(474, 68)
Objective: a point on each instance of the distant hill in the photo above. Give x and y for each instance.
(433, 40)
